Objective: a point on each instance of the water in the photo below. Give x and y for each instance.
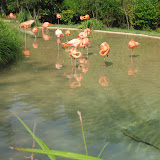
(123, 95)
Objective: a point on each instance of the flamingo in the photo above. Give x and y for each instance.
(59, 33)
(132, 44)
(58, 16)
(74, 42)
(67, 33)
(85, 44)
(86, 17)
(104, 50)
(34, 30)
(24, 25)
(88, 31)
(11, 15)
(46, 25)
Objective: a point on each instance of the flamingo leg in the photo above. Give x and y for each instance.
(58, 21)
(132, 54)
(104, 61)
(87, 52)
(25, 38)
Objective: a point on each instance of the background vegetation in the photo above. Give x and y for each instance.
(130, 14)
(10, 44)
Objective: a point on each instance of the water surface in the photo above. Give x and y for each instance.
(121, 96)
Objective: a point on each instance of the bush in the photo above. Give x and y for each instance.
(146, 15)
(23, 16)
(92, 24)
(67, 16)
(10, 44)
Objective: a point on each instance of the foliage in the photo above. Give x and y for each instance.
(146, 14)
(23, 16)
(92, 24)
(10, 44)
(53, 153)
(110, 13)
(131, 14)
(67, 16)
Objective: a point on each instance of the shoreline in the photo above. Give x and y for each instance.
(111, 32)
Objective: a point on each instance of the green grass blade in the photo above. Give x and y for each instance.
(60, 154)
(39, 141)
(102, 149)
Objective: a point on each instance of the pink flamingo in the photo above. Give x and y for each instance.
(46, 25)
(132, 44)
(67, 33)
(59, 33)
(104, 50)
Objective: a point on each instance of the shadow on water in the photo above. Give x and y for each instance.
(90, 53)
(108, 63)
(134, 55)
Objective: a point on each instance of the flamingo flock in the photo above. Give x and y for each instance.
(72, 47)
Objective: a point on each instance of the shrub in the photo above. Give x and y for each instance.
(146, 15)
(92, 24)
(10, 44)
(67, 16)
(23, 16)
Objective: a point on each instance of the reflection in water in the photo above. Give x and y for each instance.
(48, 100)
(35, 45)
(74, 79)
(45, 36)
(103, 80)
(131, 68)
(59, 61)
(26, 52)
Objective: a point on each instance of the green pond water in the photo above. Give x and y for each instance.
(119, 102)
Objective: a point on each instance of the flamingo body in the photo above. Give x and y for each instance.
(58, 16)
(11, 15)
(46, 24)
(24, 25)
(74, 42)
(132, 44)
(68, 33)
(59, 33)
(34, 30)
(104, 49)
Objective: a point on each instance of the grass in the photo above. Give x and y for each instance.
(149, 33)
(10, 43)
(53, 154)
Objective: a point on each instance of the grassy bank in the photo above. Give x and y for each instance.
(149, 33)
(10, 44)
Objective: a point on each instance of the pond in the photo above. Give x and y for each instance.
(119, 101)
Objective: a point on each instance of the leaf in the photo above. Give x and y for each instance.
(60, 154)
(39, 141)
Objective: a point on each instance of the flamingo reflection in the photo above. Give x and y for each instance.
(103, 81)
(83, 68)
(34, 30)
(25, 25)
(26, 52)
(131, 68)
(59, 62)
(74, 79)
(67, 33)
(45, 36)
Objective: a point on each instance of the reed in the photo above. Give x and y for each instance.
(52, 154)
